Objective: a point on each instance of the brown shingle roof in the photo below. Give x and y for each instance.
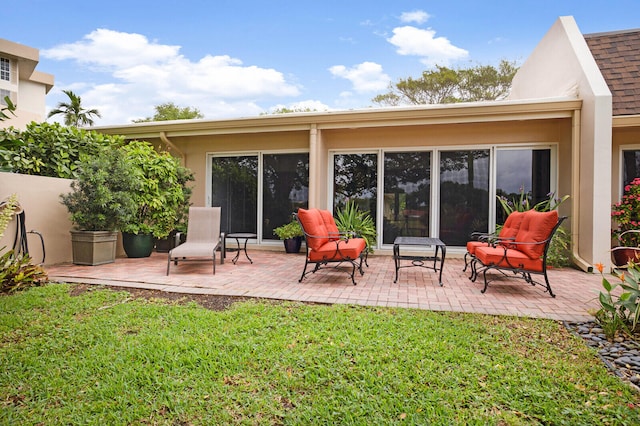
(618, 57)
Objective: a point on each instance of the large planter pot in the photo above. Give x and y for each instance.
(292, 245)
(622, 255)
(164, 245)
(94, 247)
(137, 245)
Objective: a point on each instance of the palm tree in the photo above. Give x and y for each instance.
(74, 114)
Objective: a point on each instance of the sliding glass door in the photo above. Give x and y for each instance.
(464, 194)
(234, 187)
(407, 194)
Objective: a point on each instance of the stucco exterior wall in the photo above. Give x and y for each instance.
(562, 65)
(39, 197)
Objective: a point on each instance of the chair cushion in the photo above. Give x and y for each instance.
(313, 225)
(338, 250)
(516, 258)
(512, 225)
(472, 245)
(535, 228)
(330, 225)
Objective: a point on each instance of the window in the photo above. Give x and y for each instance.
(285, 183)
(527, 170)
(355, 178)
(258, 192)
(234, 187)
(464, 194)
(5, 69)
(3, 94)
(630, 167)
(407, 193)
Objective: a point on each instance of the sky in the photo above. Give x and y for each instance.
(243, 58)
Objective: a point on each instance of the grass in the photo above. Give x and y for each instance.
(103, 358)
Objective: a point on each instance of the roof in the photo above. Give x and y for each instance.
(616, 54)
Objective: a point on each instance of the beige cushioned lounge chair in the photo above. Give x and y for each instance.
(203, 237)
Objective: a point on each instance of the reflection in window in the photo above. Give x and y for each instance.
(464, 195)
(355, 179)
(285, 189)
(234, 187)
(407, 189)
(518, 170)
(631, 167)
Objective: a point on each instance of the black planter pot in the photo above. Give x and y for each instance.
(164, 245)
(137, 245)
(292, 245)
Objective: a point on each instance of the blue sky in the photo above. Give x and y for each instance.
(241, 58)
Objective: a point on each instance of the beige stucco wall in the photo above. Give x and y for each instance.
(562, 65)
(39, 197)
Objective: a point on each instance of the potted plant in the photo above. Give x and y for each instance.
(164, 245)
(626, 215)
(291, 233)
(100, 202)
(160, 197)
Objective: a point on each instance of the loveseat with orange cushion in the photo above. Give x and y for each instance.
(325, 244)
(478, 239)
(525, 254)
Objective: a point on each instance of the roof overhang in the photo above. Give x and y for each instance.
(471, 112)
(626, 121)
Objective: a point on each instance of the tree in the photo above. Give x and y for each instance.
(170, 111)
(73, 112)
(446, 85)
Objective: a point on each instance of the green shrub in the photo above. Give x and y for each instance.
(351, 219)
(102, 198)
(162, 196)
(53, 150)
(289, 230)
(620, 312)
(18, 273)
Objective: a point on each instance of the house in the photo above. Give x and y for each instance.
(435, 169)
(25, 86)
(571, 126)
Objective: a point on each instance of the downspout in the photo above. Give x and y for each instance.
(171, 145)
(575, 190)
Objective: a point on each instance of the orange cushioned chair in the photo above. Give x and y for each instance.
(325, 244)
(526, 254)
(507, 233)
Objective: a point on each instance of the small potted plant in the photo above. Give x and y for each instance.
(100, 202)
(626, 215)
(291, 233)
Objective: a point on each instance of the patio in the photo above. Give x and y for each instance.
(274, 275)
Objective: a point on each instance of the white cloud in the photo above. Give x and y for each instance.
(417, 16)
(365, 77)
(141, 74)
(423, 43)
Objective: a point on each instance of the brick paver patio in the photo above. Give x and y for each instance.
(275, 275)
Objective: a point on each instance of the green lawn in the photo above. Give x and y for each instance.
(105, 359)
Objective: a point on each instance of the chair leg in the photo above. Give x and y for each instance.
(486, 283)
(304, 271)
(546, 280)
(466, 263)
(168, 263)
(214, 261)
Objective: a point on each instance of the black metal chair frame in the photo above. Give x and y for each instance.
(517, 269)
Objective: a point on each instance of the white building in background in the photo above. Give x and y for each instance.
(25, 86)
